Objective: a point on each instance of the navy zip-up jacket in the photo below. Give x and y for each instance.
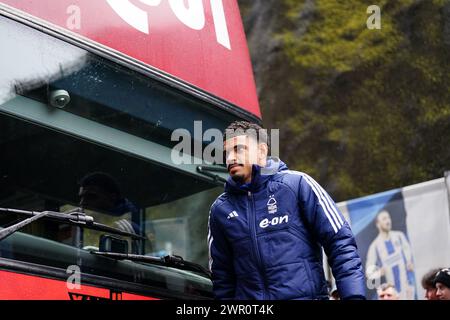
(265, 239)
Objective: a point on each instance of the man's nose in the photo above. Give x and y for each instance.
(230, 157)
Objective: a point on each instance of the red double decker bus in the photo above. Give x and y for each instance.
(91, 204)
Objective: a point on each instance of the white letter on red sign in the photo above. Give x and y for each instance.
(193, 16)
(220, 24)
(134, 16)
(153, 3)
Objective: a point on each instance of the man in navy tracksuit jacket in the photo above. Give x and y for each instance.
(267, 230)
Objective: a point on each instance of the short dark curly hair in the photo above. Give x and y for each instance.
(240, 127)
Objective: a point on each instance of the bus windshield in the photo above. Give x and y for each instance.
(78, 130)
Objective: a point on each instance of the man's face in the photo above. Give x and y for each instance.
(388, 294)
(430, 293)
(442, 291)
(384, 222)
(93, 197)
(241, 152)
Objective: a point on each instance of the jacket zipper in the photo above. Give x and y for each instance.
(252, 221)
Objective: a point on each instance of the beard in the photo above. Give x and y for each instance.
(239, 178)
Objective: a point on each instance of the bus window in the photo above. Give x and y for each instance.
(117, 123)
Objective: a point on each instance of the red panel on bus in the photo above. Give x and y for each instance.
(16, 286)
(199, 41)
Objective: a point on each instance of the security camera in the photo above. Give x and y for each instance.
(59, 98)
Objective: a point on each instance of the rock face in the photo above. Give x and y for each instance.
(360, 110)
(263, 21)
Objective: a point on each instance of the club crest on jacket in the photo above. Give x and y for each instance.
(272, 205)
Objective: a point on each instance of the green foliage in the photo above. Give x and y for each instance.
(362, 110)
(338, 39)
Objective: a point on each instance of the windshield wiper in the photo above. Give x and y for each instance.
(209, 171)
(73, 217)
(168, 261)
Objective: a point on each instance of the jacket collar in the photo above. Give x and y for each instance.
(260, 177)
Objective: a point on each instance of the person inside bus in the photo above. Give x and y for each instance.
(100, 191)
